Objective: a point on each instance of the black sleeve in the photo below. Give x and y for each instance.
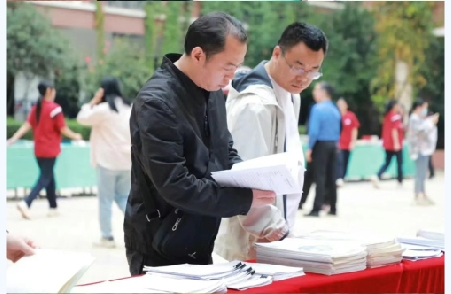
(164, 163)
(233, 153)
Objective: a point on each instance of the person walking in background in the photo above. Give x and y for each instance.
(109, 113)
(46, 119)
(433, 137)
(262, 116)
(392, 140)
(324, 134)
(348, 137)
(422, 146)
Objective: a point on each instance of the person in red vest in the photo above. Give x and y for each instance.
(348, 137)
(392, 140)
(46, 119)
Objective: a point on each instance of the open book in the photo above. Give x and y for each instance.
(48, 271)
(280, 173)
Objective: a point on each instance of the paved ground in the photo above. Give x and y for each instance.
(388, 211)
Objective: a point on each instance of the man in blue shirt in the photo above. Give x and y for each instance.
(324, 133)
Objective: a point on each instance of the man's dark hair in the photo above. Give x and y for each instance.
(327, 88)
(210, 31)
(312, 36)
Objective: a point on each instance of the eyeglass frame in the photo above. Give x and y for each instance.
(300, 71)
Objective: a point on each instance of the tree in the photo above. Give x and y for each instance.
(172, 27)
(100, 29)
(404, 35)
(124, 61)
(34, 48)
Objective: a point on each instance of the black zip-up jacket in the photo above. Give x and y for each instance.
(179, 136)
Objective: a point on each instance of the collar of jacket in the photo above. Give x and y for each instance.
(188, 84)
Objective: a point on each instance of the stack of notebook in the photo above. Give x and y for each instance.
(238, 275)
(429, 239)
(316, 256)
(154, 284)
(415, 252)
(381, 250)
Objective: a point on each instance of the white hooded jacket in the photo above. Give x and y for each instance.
(257, 124)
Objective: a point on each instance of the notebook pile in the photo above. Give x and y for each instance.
(381, 250)
(427, 244)
(238, 275)
(154, 284)
(313, 255)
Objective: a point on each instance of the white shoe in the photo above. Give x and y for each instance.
(375, 181)
(339, 183)
(53, 212)
(105, 243)
(428, 201)
(24, 210)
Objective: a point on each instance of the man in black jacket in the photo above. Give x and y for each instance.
(179, 136)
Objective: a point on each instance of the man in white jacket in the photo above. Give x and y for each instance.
(263, 108)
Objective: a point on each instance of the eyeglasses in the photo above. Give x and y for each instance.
(313, 75)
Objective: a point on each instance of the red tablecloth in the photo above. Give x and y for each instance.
(424, 276)
(378, 280)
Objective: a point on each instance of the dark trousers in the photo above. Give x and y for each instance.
(46, 181)
(388, 156)
(342, 164)
(309, 179)
(324, 165)
(137, 260)
(431, 168)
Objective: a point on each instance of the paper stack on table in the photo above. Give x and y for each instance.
(415, 252)
(47, 271)
(280, 173)
(381, 250)
(154, 284)
(238, 275)
(426, 238)
(316, 256)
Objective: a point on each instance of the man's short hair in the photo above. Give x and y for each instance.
(312, 36)
(330, 91)
(210, 31)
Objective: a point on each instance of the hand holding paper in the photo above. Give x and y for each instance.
(278, 173)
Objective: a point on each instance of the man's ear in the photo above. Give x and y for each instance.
(198, 55)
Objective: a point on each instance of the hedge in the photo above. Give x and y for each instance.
(12, 126)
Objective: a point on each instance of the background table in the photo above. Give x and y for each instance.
(73, 167)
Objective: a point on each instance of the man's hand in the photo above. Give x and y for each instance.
(262, 198)
(351, 145)
(397, 146)
(308, 155)
(10, 142)
(18, 247)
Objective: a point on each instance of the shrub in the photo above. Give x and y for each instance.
(12, 126)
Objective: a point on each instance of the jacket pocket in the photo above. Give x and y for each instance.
(185, 238)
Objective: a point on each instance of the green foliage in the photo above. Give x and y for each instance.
(12, 126)
(150, 33)
(405, 30)
(33, 45)
(265, 21)
(100, 29)
(172, 28)
(124, 61)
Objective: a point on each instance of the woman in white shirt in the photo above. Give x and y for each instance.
(422, 146)
(109, 113)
